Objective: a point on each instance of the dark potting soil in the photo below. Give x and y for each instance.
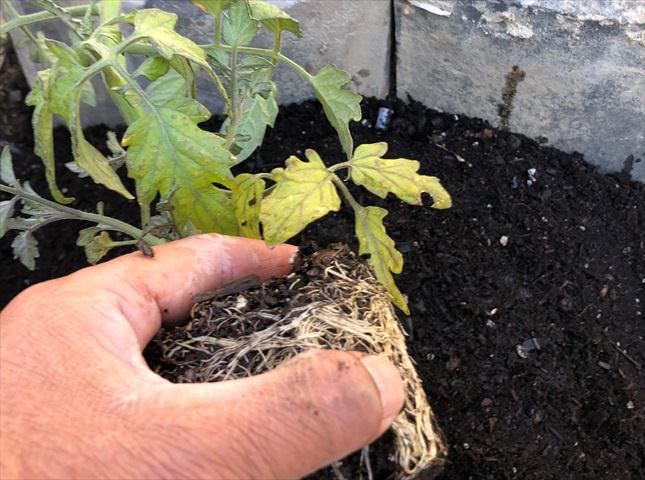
(526, 297)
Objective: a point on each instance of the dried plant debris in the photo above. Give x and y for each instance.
(331, 300)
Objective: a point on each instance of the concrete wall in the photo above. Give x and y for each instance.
(570, 71)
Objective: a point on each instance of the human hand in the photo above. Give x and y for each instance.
(78, 399)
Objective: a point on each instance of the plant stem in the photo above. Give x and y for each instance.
(74, 214)
(346, 193)
(14, 13)
(37, 17)
(339, 166)
(62, 14)
(217, 34)
(123, 243)
(264, 52)
(135, 86)
(276, 49)
(235, 113)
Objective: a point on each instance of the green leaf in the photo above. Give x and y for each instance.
(238, 27)
(219, 59)
(7, 174)
(158, 26)
(96, 246)
(170, 155)
(340, 105)
(304, 192)
(170, 86)
(86, 155)
(6, 212)
(42, 122)
(274, 19)
(384, 257)
(247, 199)
(398, 176)
(259, 113)
(86, 235)
(25, 248)
(152, 68)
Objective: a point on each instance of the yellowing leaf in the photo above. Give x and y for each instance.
(97, 166)
(398, 176)
(96, 246)
(340, 105)
(62, 79)
(247, 199)
(304, 192)
(433, 186)
(42, 122)
(274, 19)
(170, 155)
(384, 257)
(159, 27)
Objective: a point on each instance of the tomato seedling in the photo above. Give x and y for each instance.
(182, 173)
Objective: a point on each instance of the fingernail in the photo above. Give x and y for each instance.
(389, 383)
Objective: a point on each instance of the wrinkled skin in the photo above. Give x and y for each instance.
(78, 399)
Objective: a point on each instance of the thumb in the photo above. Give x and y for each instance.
(313, 410)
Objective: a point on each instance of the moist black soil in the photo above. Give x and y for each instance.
(526, 297)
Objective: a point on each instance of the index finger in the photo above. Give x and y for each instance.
(148, 290)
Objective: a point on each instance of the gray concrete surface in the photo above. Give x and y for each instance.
(583, 86)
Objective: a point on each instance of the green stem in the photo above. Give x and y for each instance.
(123, 243)
(346, 193)
(234, 110)
(144, 208)
(37, 17)
(94, 69)
(62, 14)
(339, 166)
(14, 13)
(217, 35)
(74, 214)
(276, 50)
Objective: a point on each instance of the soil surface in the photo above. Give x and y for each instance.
(526, 297)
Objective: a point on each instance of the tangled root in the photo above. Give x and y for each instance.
(331, 302)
